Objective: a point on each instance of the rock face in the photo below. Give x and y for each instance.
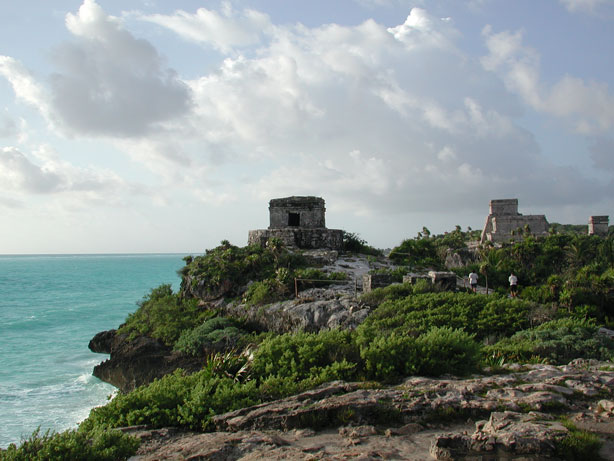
(137, 362)
(484, 417)
(313, 311)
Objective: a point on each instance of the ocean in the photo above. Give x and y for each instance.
(50, 307)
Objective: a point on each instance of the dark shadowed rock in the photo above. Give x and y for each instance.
(137, 362)
(102, 342)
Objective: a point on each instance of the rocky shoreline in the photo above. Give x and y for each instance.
(516, 415)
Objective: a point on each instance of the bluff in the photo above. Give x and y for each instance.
(134, 362)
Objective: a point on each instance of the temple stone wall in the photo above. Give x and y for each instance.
(303, 212)
(505, 219)
(299, 222)
(299, 238)
(598, 225)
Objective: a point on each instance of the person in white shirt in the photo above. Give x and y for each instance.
(513, 285)
(473, 281)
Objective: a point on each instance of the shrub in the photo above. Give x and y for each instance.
(480, 315)
(317, 277)
(217, 333)
(176, 400)
(227, 269)
(264, 292)
(97, 445)
(558, 341)
(389, 357)
(438, 351)
(164, 315)
(352, 243)
(445, 350)
(390, 293)
(305, 355)
(417, 253)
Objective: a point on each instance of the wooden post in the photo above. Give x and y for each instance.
(295, 288)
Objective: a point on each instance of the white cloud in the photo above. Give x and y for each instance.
(17, 172)
(107, 82)
(588, 106)
(420, 29)
(44, 173)
(378, 120)
(223, 30)
(24, 84)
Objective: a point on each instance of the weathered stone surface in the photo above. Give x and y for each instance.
(505, 434)
(598, 225)
(299, 222)
(504, 219)
(303, 314)
(299, 238)
(420, 416)
(373, 281)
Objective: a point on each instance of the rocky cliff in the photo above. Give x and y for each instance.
(133, 363)
(517, 415)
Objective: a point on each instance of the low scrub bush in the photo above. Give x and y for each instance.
(97, 445)
(390, 293)
(438, 351)
(389, 357)
(305, 355)
(264, 292)
(479, 315)
(176, 400)
(557, 341)
(218, 333)
(352, 243)
(164, 315)
(227, 269)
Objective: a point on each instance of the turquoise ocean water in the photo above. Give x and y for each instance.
(50, 307)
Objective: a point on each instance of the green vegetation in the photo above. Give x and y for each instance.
(427, 251)
(557, 342)
(164, 315)
(479, 315)
(567, 292)
(218, 333)
(95, 445)
(577, 444)
(227, 269)
(352, 243)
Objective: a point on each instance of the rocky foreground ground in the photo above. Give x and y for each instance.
(514, 415)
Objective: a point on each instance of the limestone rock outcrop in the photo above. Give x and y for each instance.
(315, 310)
(507, 416)
(133, 363)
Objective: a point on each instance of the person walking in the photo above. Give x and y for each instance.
(513, 285)
(473, 281)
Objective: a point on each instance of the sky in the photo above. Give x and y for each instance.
(149, 126)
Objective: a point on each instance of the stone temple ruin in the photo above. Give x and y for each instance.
(298, 222)
(598, 225)
(504, 220)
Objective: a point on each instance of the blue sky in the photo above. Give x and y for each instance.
(151, 126)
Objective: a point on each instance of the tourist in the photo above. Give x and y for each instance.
(473, 281)
(513, 285)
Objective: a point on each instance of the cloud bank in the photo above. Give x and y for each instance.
(378, 119)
